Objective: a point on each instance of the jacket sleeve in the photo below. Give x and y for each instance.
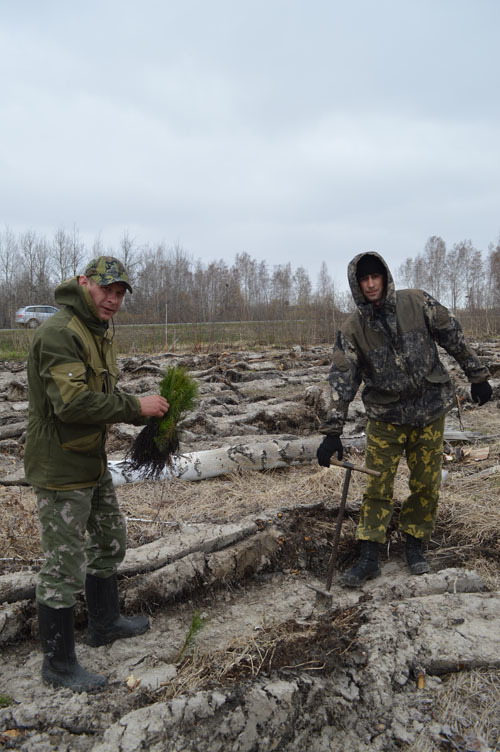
(63, 372)
(344, 378)
(448, 333)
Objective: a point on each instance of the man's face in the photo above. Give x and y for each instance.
(372, 287)
(107, 299)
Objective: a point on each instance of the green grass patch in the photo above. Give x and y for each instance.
(14, 344)
(219, 336)
(137, 339)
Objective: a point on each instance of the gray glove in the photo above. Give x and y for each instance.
(327, 448)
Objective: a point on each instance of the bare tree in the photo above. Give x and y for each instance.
(36, 283)
(97, 247)
(325, 289)
(405, 273)
(494, 273)
(281, 286)
(263, 285)
(434, 260)
(27, 243)
(454, 276)
(244, 272)
(302, 287)
(61, 255)
(179, 284)
(420, 274)
(9, 265)
(474, 276)
(77, 253)
(127, 252)
(325, 302)
(43, 279)
(150, 291)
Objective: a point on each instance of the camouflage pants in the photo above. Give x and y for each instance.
(423, 448)
(82, 531)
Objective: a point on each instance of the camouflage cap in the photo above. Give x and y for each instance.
(107, 269)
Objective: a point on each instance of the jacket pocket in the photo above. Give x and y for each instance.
(83, 444)
(438, 376)
(376, 397)
(340, 361)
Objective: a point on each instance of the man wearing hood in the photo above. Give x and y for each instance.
(389, 344)
(72, 373)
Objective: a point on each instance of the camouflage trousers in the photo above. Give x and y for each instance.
(423, 447)
(82, 531)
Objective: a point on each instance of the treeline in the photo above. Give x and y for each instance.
(458, 276)
(170, 285)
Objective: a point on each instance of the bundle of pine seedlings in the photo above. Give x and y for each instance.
(159, 439)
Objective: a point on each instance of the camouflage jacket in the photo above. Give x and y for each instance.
(72, 373)
(392, 350)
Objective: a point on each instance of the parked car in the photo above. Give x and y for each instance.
(33, 315)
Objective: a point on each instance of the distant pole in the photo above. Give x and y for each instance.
(166, 324)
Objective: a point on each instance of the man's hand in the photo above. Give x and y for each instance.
(154, 406)
(481, 393)
(329, 446)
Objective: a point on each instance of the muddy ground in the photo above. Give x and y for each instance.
(243, 653)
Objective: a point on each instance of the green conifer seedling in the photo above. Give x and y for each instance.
(159, 439)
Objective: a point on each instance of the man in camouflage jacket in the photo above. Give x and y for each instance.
(389, 344)
(72, 375)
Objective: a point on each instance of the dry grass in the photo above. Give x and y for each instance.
(19, 534)
(232, 497)
(468, 525)
(467, 704)
(468, 528)
(286, 646)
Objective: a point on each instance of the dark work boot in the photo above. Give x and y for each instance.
(60, 667)
(414, 556)
(105, 622)
(366, 568)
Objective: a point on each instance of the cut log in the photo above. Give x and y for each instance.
(13, 430)
(17, 586)
(213, 462)
(14, 620)
(266, 455)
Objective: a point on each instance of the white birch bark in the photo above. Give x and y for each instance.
(265, 455)
(213, 462)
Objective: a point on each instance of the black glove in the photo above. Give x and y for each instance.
(481, 393)
(329, 446)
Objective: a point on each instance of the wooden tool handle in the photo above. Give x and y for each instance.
(359, 468)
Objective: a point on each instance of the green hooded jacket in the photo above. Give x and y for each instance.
(72, 374)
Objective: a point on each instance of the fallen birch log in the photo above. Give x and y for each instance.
(234, 563)
(13, 430)
(267, 455)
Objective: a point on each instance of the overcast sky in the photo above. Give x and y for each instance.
(297, 131)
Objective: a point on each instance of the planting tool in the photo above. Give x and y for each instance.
(459, 407)
(349, 467)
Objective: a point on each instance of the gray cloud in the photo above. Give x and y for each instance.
(295, 131)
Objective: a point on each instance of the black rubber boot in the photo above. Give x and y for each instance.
(366, 568)
(60, 667)
(105, 622)
(414, 556)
